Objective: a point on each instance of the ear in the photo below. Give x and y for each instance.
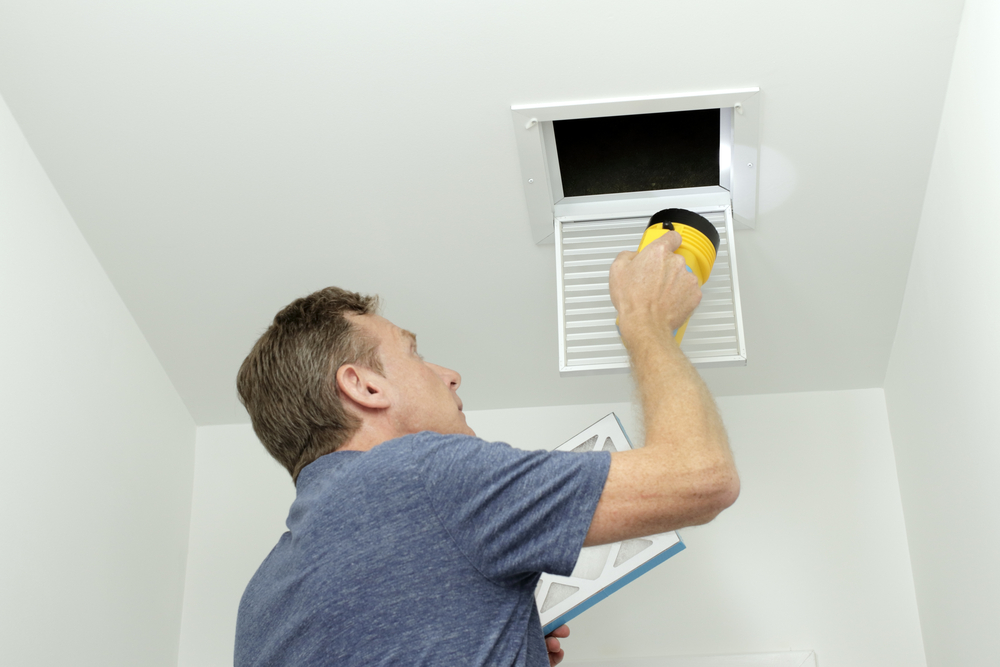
(362, 386)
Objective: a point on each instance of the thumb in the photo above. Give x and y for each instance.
(672, 240)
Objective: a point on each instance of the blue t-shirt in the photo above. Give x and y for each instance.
(424, 550)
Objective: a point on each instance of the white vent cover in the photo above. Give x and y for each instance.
(588, 338)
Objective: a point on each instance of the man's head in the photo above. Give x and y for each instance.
(407, 394)
(329, 366)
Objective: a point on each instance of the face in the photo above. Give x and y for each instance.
(424, 395)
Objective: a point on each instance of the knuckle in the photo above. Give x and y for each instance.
(624, 256)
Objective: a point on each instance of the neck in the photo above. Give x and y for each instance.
(370, 434)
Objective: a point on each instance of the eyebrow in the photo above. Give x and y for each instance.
(413, 336)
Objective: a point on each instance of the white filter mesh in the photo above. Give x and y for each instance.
(630, 549)
(592, 562)
(587, 445)
(558, 593)
(589, 339)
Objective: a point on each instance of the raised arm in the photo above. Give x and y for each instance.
(684, 475)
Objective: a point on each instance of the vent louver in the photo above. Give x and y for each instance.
(588, 339)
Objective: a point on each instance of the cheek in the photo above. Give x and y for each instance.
(433, 379)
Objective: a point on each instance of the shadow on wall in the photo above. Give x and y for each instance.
(778, 178)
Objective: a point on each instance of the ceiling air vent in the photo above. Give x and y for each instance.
(594, 172)
(588, 337)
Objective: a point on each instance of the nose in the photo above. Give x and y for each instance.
(448, 376)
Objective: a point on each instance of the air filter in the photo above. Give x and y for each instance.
(600, 570)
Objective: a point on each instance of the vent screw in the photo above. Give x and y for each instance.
(531, 180)
(750, 164)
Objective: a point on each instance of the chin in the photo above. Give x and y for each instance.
(460, 429)
(466, 429)
(463, 429)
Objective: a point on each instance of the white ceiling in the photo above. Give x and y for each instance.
(223, 158)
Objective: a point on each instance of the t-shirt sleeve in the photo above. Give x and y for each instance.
(513, 513)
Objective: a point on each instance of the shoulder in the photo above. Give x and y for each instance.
(468, 464)
(439, 457)
(438, 447)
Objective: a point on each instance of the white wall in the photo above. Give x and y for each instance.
(943, 383)
(97, 448)
(813, 556)
(240, 501)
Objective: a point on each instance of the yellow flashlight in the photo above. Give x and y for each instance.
(699, 243)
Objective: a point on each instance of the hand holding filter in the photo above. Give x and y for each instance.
(699, 243)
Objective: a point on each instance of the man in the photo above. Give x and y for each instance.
(410, 541)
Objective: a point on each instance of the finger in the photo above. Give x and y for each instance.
(671, 239)
(552, 645)
(562, 631)
(625, 256)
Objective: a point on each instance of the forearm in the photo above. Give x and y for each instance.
(682, 424)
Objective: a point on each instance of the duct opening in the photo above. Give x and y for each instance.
(638, 152)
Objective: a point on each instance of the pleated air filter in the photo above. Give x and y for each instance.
(600, 570)
(588, 338)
